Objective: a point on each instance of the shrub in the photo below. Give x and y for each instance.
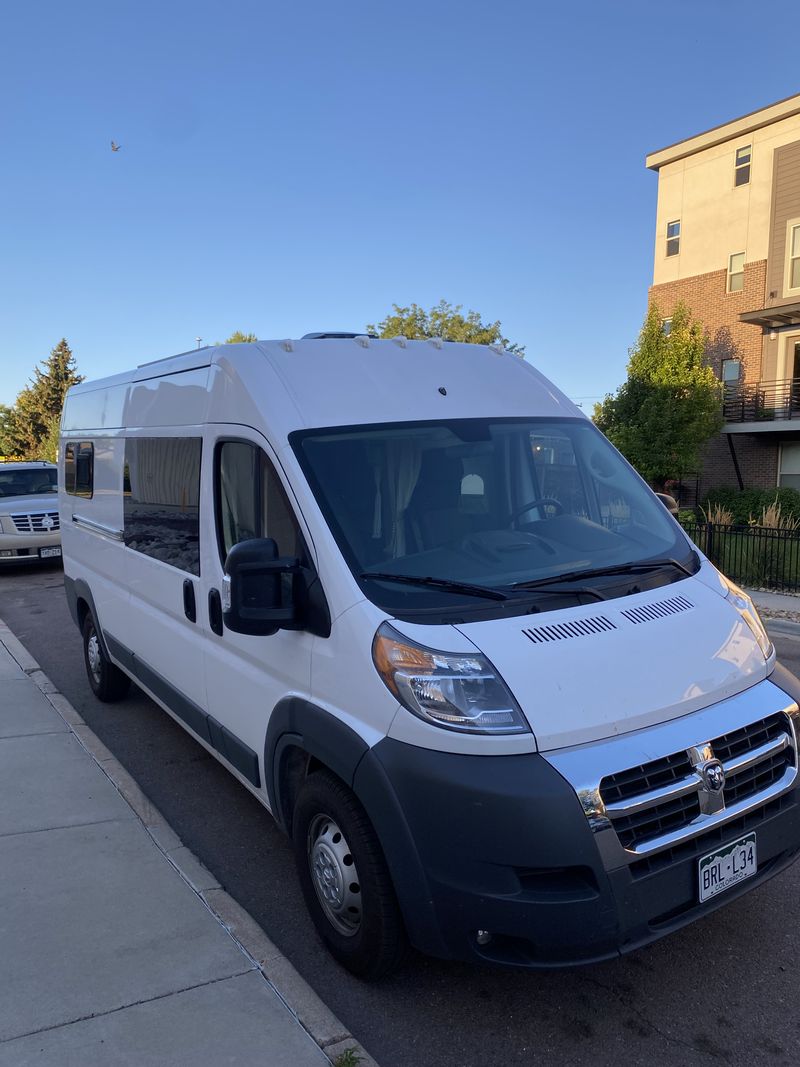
(745, 504)
(718, 514)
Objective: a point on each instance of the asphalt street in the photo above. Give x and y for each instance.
(723, 990)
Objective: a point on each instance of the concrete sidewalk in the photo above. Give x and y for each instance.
(110, 952)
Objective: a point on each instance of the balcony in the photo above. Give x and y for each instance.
(762, 406)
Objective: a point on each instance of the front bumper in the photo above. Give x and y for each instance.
(508, 845)
(16, 547)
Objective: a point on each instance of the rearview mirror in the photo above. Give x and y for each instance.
(258, 590)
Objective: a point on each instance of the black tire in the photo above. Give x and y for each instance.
(108, 682)
(361, 923)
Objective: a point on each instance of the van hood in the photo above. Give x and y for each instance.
(589, 672)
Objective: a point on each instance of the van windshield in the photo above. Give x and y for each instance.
(479, 509)
(31, 482)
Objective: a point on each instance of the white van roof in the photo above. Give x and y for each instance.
(298, 384)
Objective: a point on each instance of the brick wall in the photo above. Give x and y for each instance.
(718, 310)
(757, 458)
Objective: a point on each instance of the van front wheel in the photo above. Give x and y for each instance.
(344, 878)
(108, 682)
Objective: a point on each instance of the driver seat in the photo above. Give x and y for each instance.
(434, 513)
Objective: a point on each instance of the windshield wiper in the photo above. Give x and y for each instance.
(447, 584)
(601, 572)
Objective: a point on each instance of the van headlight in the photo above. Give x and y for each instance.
(458, 691)
(747, 609)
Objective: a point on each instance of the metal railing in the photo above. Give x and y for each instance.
(762, 401)
(751, 555)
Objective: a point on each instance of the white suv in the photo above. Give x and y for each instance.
(29, 526)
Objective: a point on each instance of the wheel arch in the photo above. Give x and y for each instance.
(303, 737)
(81, 602)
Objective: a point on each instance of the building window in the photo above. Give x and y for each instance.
(742, 168)
(793, 256)
(736, 272)
(789, 472)
(79, 468)
(674, 237)
(731, 371)
(666, 327)
(161, 499)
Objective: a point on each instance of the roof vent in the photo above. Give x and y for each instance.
(651, 612)
(564, 631)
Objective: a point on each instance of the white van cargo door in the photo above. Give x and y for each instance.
(161, 505)
(246, 675)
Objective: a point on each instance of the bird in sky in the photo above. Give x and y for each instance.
(114, 146)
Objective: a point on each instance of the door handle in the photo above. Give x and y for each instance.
(215, 611)
(189, 603)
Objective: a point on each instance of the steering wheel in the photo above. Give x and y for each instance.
(549, 501)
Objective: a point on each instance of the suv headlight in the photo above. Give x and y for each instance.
(747, 609)
(458, 691)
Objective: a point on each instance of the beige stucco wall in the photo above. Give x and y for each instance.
(718, 219)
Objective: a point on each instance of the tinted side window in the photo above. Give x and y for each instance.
(251, 501)
(161, 493)
(79, 468)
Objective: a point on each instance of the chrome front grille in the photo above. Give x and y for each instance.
(37, 522)
(661, 802)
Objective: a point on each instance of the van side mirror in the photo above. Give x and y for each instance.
(258, 590)
(670, 503)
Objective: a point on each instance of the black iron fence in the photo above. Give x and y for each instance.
(751, 555)
(762, 401)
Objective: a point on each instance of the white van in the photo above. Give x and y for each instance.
(419, 606)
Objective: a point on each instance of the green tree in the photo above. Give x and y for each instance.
(7, 441)
(237, 338)
(38, 407)
(670, 404)
(446, 321)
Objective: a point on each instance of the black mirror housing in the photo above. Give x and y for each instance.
(259, 588)
(670, 503)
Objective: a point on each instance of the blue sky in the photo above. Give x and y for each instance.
(295, 167)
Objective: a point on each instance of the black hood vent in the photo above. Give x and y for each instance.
(565, 631)
(651, 612)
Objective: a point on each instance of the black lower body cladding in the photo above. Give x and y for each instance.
(501, 845)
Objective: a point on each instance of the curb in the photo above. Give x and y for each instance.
(315, 1017)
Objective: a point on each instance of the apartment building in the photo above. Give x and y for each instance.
(728, 245)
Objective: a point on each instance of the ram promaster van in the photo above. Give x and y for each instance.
(421, 608)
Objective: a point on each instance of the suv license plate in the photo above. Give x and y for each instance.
(52, 551)
(727, 866)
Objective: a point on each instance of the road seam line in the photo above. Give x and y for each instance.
(124, 1007)
(66, 826)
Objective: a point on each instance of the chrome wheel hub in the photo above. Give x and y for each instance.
(93, 654)
(334, 875)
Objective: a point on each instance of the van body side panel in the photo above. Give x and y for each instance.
(157, 629)
(91, 530)
(245, 676)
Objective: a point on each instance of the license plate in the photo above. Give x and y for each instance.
(727, 866)
(52, 551)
